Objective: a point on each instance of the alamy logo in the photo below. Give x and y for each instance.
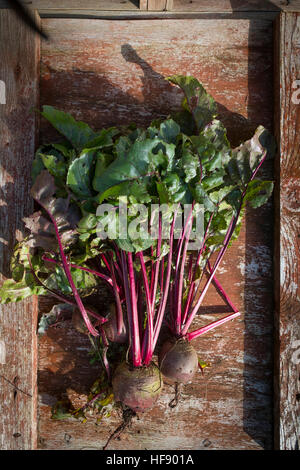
(138, 221)
(296, 93)
(2, 92)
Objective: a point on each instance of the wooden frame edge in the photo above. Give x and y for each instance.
(19, 71)
(286, 237)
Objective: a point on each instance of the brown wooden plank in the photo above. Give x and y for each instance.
(19, 52)
(143, 4)
(287, 254)
(99, 78)
(218, 6)
(156, 5)
(78, 4)
(147, 14)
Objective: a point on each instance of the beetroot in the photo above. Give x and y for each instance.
(178, 360)
(111, 328)
(137, 387)
(78, 322)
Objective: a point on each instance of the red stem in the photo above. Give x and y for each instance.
(81, 307)
(148, 337)
(188, 301)
(120, 319)
(132, 312)
(217, 262)
(164, 294)
(96, 273)
(180, 278)
(210, 326)
(62, 297)
(156, 266)
(221, 290)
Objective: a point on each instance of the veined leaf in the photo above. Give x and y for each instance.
(258, 192)
(196, 100)
(127, 168)
(12, 291)
(80, 174)
(77, 132)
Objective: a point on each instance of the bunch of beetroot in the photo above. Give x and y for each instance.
(184, 163)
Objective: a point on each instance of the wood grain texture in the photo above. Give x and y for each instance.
(78, 4)
(113, 72)
(236, 5)
(287, 254)
(176, 5)
(19, 51)
(156, 5)
(143, 4)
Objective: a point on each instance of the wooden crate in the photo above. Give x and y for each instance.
(106, 64)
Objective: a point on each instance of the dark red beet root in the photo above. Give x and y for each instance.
(137, 387)
(78, 322)
(178, 360)
(111, 330)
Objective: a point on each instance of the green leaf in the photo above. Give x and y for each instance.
(169, 131)
(201, 196)
(84, 281)
(196, 100)
(77, 132)
(88, 223)
(213, 181)
(138, 193)
(234, 198)
(248, 156)
(54, 164)
(190, 164)
(185, 121)
(12, 291)
(80, 173)
(133, 166)
(37, 166)
(102, 162)
(258, 192)
(103, 139)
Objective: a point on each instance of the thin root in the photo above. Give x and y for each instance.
(178, 389)
(128, 414)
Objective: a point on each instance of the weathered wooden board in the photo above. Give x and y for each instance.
(156, 5)
(19, 52)
(78, 4)
(236, 5)
(112, 72)
(216, 6)
(287, 226)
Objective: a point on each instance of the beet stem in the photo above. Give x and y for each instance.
(180, 278)
(210, 326)
(156, 265)
(148, 337)
(221, 290)
(133, 321)
(81, 307)
(62, 297)
(120, 319)
(88, 270)
(164, 294)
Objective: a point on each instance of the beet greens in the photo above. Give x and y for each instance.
(183, 161)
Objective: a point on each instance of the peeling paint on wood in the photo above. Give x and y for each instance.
(19, 51)
(112, 72)
(236, 5)
(287, 254)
